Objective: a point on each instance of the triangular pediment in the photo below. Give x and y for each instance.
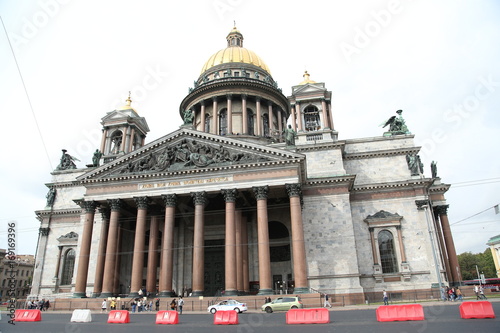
(190, 151)
(309, 88)
(125, 116)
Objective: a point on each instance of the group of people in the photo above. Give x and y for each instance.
(452, 294)
(41, 305)
(479, 291)
(177, 304)
(141, 305)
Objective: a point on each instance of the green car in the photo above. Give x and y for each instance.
(283, 304)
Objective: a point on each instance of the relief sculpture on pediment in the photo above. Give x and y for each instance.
(188, 154)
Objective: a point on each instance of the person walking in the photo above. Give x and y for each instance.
(385, 297)
(180, 304)
(460, 296)
(104, 306)
(157, 304)
(481, 292)
(327, 303)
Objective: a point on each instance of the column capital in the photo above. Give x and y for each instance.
(44, 231)
(371, 229)
(257, 99)
(260, 192)
(214, 99)
(202, 102)
(244, 96)
(142, 202)
(170, 200)
(88, 206)
(229, 194)
(294, 190)
(115, 204)
(421, 203)
(199, 198)
(269, 103)
(229, 96)
(441, 209)
(104, 212)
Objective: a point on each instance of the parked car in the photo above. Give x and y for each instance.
(283, 303)
(228, 304)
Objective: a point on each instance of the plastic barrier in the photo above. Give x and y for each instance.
(167, 317)
(400, 312)
(226, 318)
(119, 317)
(28, 315)
(480, 309)
(81, 316)
(308, 316)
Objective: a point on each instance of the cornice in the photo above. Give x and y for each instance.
(412, 183)
(58, 212)
(338, 180)
(321, 146)
(381, 153)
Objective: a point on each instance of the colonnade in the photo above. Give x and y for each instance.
(236, 249)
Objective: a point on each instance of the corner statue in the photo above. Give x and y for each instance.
(396, 124)
(289, 136)
(188, 116)
(67, 161)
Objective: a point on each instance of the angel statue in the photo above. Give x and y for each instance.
(67, 161)
(397, 124)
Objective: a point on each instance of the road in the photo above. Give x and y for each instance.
(439, 317)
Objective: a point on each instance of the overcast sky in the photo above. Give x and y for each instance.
(438, 61)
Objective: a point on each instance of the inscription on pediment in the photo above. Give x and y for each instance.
(188, 154)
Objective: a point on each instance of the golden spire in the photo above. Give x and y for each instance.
(306, 78)
(129, 100)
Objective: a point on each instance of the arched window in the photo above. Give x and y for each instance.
(68, 266)
(250, 122)
(311, 118)
(223, 122)
(266, 125)
(116, 142)
(388, 258)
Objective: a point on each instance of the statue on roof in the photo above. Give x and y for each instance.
(397, 124)
(96, 158)
(67, 161)
(188, 116)
(289, 136)
(434, 169)
(51, 197)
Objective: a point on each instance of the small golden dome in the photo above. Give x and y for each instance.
(128, 105)
(235, 52)
(306, 78)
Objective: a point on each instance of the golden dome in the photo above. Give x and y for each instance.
(235, 52)
(128, 105)
(306, 79)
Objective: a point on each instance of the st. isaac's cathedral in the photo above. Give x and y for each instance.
(253, 194)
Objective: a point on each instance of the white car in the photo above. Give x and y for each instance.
(228, 304)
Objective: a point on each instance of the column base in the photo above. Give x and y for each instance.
(197, 293)
(166, 294)
(106, 294)
(231, 292)
(301, 290)
(265, 292)
(134, 294)
(79, 295)
(95, 295)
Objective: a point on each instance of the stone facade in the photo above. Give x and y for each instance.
(236, 201)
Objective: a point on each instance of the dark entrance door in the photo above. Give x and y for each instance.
(214, 267)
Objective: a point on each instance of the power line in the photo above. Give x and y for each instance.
(475, 214)
(27, 95)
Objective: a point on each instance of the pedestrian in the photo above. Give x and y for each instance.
(481, 292)
(476, 291)
(460, 296)
(180, 304)
(327, 303)
(46, 305)
(139, 305)
(134, 305)
(157, 304)
(104, 306)
(385, 297)
(173, 305)
(150, 306)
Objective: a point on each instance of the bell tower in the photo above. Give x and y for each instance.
(123, 131)
(311, 112)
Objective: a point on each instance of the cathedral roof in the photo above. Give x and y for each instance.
(235, 53)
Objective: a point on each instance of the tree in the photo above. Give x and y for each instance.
(484, 262)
